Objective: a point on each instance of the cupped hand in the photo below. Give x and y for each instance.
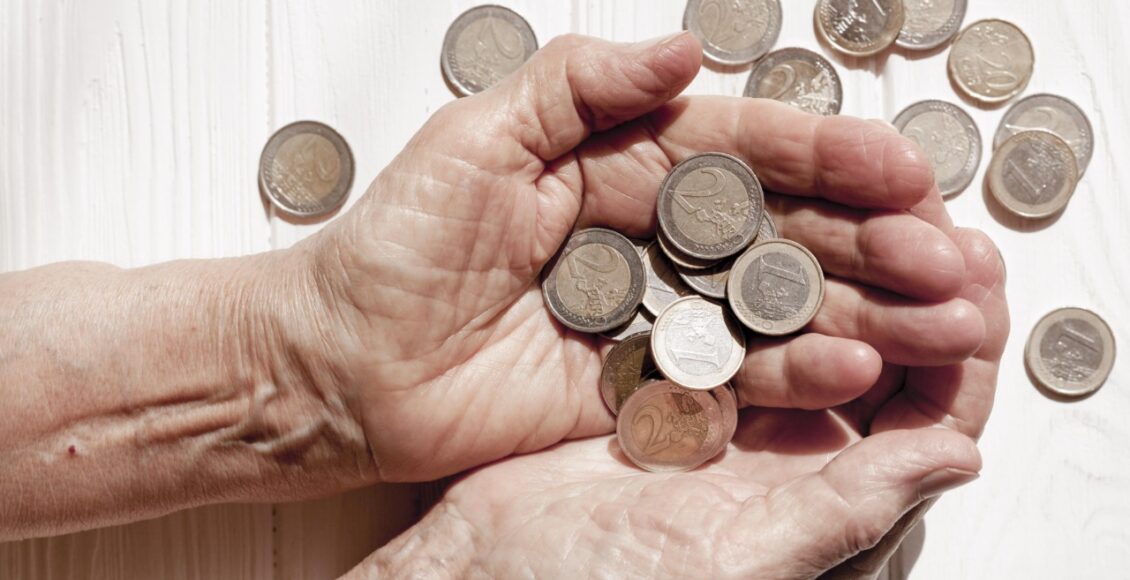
(441, 341)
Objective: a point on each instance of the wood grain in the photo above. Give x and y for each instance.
(130, 132)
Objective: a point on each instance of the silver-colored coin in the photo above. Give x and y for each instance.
(483, 45)
(696, 344)
(678, 258)
(858, 28)
(949, 137)
(1054, 114)
(798, 77)
(306, 169)
(709, 282)
(991, 61)
(1070, 352)
(768, 229)
(663, 283)
(596, 282)
(641, 322)
(776, 287)
(710, 206)
(930, 23)
(665, 427)
(625, 369)
(1033, 174)
(734, 32)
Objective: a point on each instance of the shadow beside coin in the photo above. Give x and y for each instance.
(1010, 220)
(1054, 396)
(913, 55)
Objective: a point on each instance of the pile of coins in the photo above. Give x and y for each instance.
(715, 267)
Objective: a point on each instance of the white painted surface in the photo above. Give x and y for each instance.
(130, 132)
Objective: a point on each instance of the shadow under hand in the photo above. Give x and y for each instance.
(907, 555)
(791, 431)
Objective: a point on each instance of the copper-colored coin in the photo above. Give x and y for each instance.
(991, 61)
(1070, 352)
(735, 32)
(306, 169)
(483, 45)
(1033, 174)
(776, 287)
(596, 282)
(641, 322)
(678, 258)
(710, 206)
(625, 368)
(859, 28)
(798, 77)
(664, 427)
(663, 284)
(696, 344)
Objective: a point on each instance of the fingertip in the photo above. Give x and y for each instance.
(947, 269)
(669, 64)
(861, 365)
(907, 171)
(964, 330)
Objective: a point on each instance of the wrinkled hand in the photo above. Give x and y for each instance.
(445, 347)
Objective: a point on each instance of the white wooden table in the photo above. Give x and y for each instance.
(130, 132)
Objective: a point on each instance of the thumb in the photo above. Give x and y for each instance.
(848, 506)
(576, 85)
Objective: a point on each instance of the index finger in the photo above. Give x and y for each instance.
(842, 159)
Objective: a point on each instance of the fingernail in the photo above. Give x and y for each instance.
(944, 480)
(658, 40)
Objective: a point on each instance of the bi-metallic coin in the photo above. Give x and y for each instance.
(930, 23)
(596, 282)
(710, 206)
(776, 287)
(696, 344)
(949, 137)
(859, 28)
(1054, 114)
(1033, 174)
(1070, 352)
(306, 169)
(734, 32)
(798, 77)
(991, 61)
(665, 427)
(483, 45)
(626, 367)
(663, 284)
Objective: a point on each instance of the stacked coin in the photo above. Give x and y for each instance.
(715, 265)
(862, 29)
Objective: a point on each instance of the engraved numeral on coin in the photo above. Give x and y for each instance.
(995, 75)
(660, 434)
(490, 45)
(782, 273)
(1033, 192)
(714, 15)
(1044, 118)
(789, 73)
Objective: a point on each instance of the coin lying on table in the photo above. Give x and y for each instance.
(663, 284)
(306, 169)
(664, 427)
(1056, 115)
(991, 61)
(950, 139)
(930, 23)
(710, 206)
(625, 368)
(859, 28)
(641, 322)
(1070, 352)
(596, 282)
(736, 32)
(776, 287)
(696, 344)
(798, 77)
(483, 45)
(1033, 174)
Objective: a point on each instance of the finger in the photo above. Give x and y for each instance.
(843, 159)
(960, 396)
(576, 85)
(818, 520)
(868, 563)
(903, 331)
(810, 371)
(892, 250)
